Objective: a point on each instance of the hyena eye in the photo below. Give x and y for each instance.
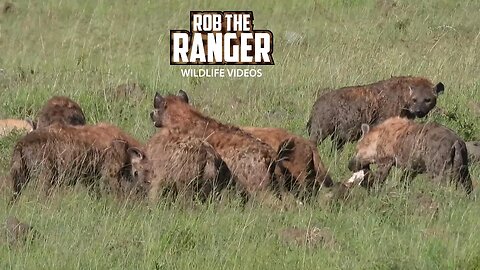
(135, 174)
(427, 100)
(414, 100)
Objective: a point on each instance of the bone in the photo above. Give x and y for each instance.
(356, 179)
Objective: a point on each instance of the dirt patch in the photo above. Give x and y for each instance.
(8, 8)
(309, 237)
(124, 245)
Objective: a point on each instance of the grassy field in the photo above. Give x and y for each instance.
(85, 49)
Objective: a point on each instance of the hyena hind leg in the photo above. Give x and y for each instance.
(461, 177)
(17, 187)
(19, 178)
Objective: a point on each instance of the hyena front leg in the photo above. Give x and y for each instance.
(382, 172)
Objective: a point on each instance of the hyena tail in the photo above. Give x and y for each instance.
(460, 166)
(18, 173)
(281, 177)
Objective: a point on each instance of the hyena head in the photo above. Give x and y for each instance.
(423, 97)
(160, 114)
(63, 110)
(366, 150)
(141, 169)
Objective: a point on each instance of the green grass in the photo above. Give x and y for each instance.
(83, 49)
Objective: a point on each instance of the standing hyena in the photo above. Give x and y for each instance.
(184, 165)
(340, 113)
(66, 155)
(419, 148)
(303, 162)
(252, 162)
(62, 110)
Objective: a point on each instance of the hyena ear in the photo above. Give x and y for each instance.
(136, 155)
(365, 130)
(183, 95)
(439, 88)
(158, 101)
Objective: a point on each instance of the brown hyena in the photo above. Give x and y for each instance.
(303, 162)
(62, 110)
(252, 162)
(65, 155)
(418, 148)
(183, 165)
(341, 112)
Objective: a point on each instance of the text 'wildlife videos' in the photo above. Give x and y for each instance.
(222, 72)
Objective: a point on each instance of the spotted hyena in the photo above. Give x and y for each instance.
(252, 162)
(341, 112)
(308, 173)
(62, 110)
(418, 148)
(183, 165)
(65, 155)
